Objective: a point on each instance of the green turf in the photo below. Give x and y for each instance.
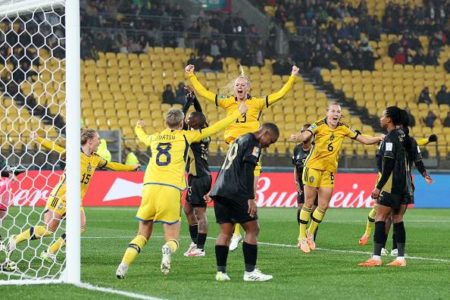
(325, 273)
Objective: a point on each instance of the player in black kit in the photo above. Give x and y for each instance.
(199, 180)
(234, 200)
(301, 152)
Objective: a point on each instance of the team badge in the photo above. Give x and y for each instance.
(311, 179)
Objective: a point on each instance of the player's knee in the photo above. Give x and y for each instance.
(397, 219)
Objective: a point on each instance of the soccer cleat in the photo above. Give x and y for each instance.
(364, 239)
(397, 263)
(196, 252)
(8, 266)
(371, 263)
(166, 259)
(394, 252)
(220, 276)
(235, 239)
(256, 275)
(384, 252)
(48, 257)
(121, 271)
(303, 245)
(191, 247)
(11, 246)
(310, 241)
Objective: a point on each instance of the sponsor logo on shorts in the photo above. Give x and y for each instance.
(311, 179)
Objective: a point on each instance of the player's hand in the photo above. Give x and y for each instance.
(189, 69)
(295, 70)
(207, 198)
(295, 137)
(140, 123)
(381, 137)
(428, 179)
(34, 135)
(252, 207)
(137, 167)
(243, 108)
(375, 193)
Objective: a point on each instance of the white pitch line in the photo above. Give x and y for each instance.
(289, 246)
(91, 287)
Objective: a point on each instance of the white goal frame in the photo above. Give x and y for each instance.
(71, 274)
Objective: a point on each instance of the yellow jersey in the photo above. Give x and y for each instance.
(250, 121)
(169, 151)
(88, 164)
(327, 145)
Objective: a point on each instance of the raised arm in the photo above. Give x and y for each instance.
(301, 136)
(47, 143)
(220, 125)
(198, 87)
(272, 98)
(142, 136)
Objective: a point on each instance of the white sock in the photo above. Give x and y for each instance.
(376, 257)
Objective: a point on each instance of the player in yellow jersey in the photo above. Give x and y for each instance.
(320, 168)
(55, 208)
(164, 182)
(248, 122)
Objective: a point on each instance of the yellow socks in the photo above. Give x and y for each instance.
(316, 218)
(134, 248)
(370, 221)
(33, 233)
(237, 229)
(173, 245)
(54, 248)
(305, 215)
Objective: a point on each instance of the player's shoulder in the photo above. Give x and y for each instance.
(248, 138)
(343, 124)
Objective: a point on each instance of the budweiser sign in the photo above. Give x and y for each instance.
(124, 189)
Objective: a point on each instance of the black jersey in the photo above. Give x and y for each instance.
(198, 158)
(235, 179)
(298, 160)
(392, 147)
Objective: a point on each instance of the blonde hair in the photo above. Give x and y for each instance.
(228, 89)
(174, 118)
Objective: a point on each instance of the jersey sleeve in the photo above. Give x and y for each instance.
(272, 98)
(350, 132)
(142, 136)
(51, 145)
(198, 135)
(201, 90)
(389, 148)
(314, 128)
(115, 166)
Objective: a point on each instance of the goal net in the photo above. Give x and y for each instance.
(35, 102)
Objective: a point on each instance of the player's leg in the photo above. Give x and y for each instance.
(3, 211)
(369, 226)
(324, 194)
(400, 235)
(311, 180)
(202, 219)
(224, 219)
(193, 225)
(382, 214)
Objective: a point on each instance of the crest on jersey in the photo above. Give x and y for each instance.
(256, 151)
(389, 146)
(89, 167)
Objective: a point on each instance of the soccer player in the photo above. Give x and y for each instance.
(320, 168)
(247, 123)
(164, 181)
(234, 200)
(393, 190)
(301, 152)
(55, 208)
(199, 180)
(414, 157)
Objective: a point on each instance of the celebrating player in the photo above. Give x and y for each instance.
(55, 208)
(320, 168)
(234, 200)
(248, 122)
(164, 181)
(393, 190)
(199, 180)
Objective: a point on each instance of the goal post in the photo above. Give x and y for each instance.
(40, 93)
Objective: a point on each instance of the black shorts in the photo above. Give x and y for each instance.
(394, 201)
(231, 211)
(301, 199)
(198, 188)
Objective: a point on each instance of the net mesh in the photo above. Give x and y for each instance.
(32, 95)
